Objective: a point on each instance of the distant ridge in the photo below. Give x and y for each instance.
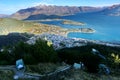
(3, 15)
(48, 10)
(113, 10)
(42, 16)
(52, 10)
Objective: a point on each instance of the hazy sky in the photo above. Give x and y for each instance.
(11, 6)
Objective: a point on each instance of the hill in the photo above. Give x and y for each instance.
(11, 39)
(42, 16)
(112, 10)
(51, 10)
(8, 25)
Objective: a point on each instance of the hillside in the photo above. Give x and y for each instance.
(52, 10)
(8, 25)
(112, 10)
(42, 16)
(11, 39)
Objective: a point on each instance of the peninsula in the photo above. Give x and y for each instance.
(70, 22)
(8, 25)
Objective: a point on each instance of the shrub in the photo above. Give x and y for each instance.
(80, 54)
(44, 53)
(6, 57)
(39, 52)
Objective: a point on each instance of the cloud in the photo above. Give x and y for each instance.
(43, 2)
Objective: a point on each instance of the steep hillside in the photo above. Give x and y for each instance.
(51, 10)
(112, 10)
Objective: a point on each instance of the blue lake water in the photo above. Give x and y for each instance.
(107, 27)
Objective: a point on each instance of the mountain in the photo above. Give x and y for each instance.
(42, 16)
(51, 10)
(112, 10)
(3, 15)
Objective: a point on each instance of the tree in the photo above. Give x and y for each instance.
(43, 52)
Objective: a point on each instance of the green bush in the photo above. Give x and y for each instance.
(6, 57)
(83, 54)
(44, 53)
(31, 54)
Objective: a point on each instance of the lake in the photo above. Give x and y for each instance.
(107, 27)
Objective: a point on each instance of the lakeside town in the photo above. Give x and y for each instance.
(60, 42)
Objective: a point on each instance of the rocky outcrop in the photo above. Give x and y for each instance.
(51, 10)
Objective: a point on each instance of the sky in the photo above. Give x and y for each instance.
(11, 6)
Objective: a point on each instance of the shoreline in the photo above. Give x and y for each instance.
(99, 42)
(59, 30)
(60, 42)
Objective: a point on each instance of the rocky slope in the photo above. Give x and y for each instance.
(51, 10)
(37, 11)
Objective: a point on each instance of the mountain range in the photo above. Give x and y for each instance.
(113, 10)
(3, 15)
(44, 11)
(52, 10)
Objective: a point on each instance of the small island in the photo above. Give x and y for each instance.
(86, 30)
(70, 22)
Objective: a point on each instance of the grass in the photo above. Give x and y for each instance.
(8, 25)
(82, 75)
(42, 68)
(6, 75)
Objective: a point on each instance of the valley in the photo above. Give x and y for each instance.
(60, 42)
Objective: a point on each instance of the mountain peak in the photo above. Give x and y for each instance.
(64, 10)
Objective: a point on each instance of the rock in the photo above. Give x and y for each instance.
(78, 65)
(103, 68)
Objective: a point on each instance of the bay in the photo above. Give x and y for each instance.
(107, 27)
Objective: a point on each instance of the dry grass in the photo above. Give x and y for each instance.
(8, 25)
(42, 68)
(6, 75)
(82, 75)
